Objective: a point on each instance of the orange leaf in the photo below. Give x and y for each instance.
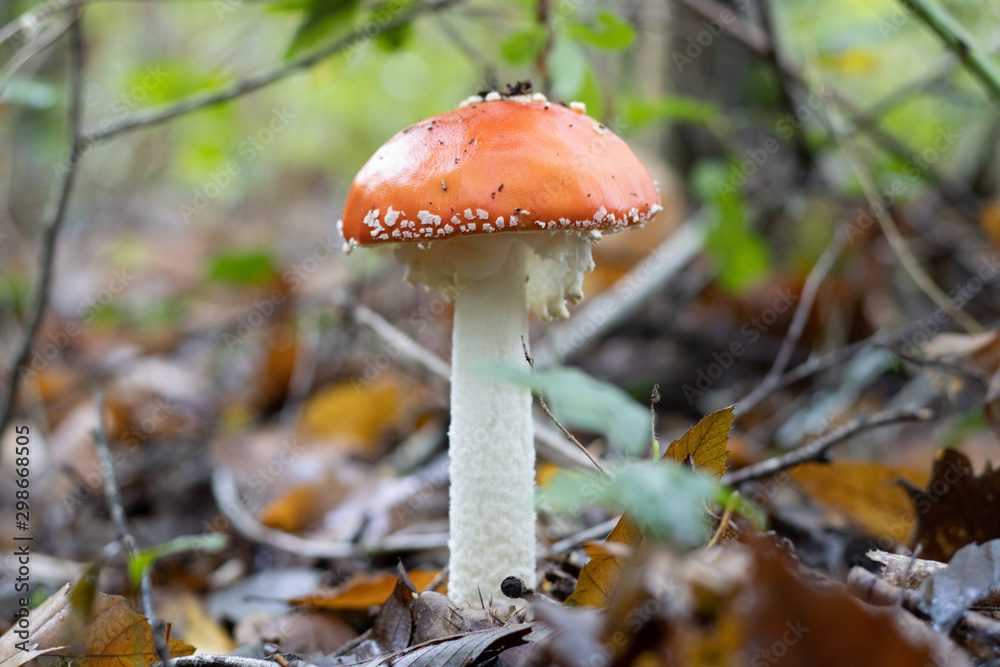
(704, 444)
(354, 414)
(363, 591)
(868, 492)
(600, 576)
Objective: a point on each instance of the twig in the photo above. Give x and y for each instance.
(757, 42)
(200, 101)
(868, 587)
(222, 661)
(55, 216)
(548, 413)
(804, 370)
(227, 497)
(801, 316)
(32, 49)
(979, 63)
(602, 529)
(626, 296)
(815, 450)
(944, 366)
(125, 537)
(896, 240)
(433, 367)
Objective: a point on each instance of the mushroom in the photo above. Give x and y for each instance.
(495, 206)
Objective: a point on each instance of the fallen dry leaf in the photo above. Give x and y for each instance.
(956, 508)
(704, 444)
(599, 577)
(362, 591)
(115, 636)
(869, 493)
(355, 415)
(785, 618)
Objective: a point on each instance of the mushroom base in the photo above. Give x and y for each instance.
(491, 513)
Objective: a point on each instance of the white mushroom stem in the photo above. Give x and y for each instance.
(491, 512)
(494, 279)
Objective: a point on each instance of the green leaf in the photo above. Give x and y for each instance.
(608, 32)
(522, 47)
(579, 401)
(640, 111)
(741, 257)
(666, 499)
(145, 558)
(253, 267)
(568, 66)
(322, 19)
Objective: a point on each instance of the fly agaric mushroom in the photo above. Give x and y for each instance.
(495, 205)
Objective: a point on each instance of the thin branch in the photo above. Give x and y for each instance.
(222, 661)
(896, 240)
(816, 450)
(868, 587)
(756, 41)
(979, 63)
(55, 217)
(227, 497)
(125, 537)
(195, 102)
(804, 370)
(799, 319)
(552, 417)
(430, 366)
(601, 530)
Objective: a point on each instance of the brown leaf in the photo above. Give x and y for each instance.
(116, 636)
(786, 618)
(393, 625)
(599, 577)
(363, 591)
(868, 492)
(704, 444)
(956, 508)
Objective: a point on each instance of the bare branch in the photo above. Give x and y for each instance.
(200, 101)
(816, 450)
(55, 216)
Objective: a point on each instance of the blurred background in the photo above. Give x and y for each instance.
(198, 278)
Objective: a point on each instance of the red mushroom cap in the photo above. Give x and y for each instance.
(504, 165)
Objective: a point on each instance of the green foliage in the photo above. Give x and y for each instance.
(320, 20)
(245, 267)
(666, 498)
(741, 257)
(579, 401)
(638, 111)
(568, 66)
(608, 32)
(523, 46)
